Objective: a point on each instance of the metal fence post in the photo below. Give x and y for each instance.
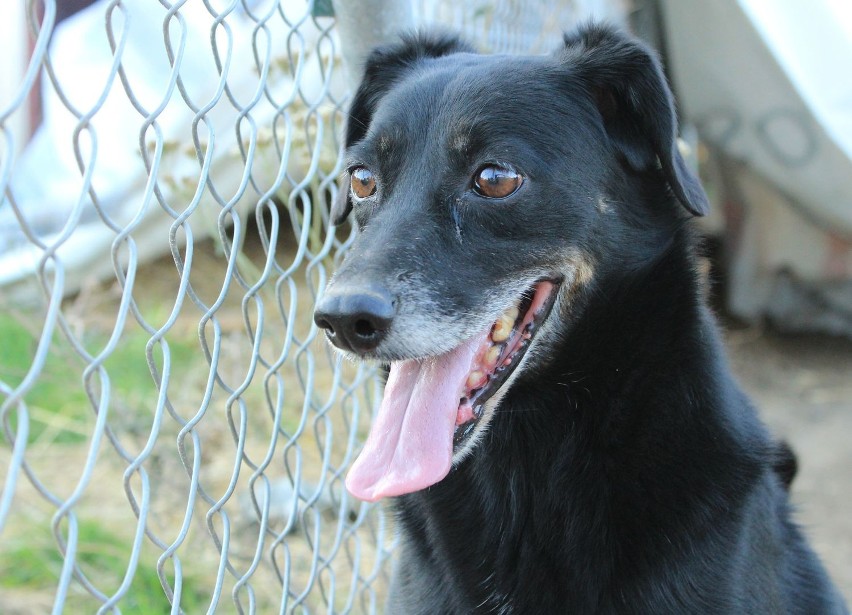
(365, 25)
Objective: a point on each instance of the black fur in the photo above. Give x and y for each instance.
(624, 470)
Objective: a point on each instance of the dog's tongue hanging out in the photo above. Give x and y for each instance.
(410, 445)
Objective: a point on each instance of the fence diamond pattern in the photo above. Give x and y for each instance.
(198, 449)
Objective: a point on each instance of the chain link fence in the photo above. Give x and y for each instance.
(175, 433)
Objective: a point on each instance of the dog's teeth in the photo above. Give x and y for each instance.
(504, 325)
(476, 379)
(491, 356)
(501, 331)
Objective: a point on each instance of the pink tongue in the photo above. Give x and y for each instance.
(410, 445)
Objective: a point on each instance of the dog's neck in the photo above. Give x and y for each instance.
(585, 414)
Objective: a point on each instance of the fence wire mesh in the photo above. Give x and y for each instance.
(175, 432)
(180, 427)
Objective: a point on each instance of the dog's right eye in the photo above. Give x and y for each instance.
(496, 182)
(363, 182)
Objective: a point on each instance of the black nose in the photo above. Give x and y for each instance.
(355, 319)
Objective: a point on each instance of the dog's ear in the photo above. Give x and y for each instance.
(627, 83)
(383, 68)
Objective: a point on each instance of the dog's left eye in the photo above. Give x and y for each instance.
(363, 182)
(495, 182)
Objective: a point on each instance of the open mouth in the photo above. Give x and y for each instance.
(501, 354)
(432, 405)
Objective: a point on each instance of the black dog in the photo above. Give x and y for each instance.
(559, 419)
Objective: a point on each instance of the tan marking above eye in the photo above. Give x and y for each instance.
(495, 182)
(363, 182)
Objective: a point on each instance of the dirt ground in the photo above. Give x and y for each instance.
(802, 386)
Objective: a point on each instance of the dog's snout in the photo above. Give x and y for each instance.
(356, 319)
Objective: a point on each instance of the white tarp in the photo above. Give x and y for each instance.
(769, 84)
(50, 189)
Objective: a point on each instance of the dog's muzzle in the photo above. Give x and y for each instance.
(355, 319)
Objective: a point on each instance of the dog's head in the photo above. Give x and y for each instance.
(480, 186)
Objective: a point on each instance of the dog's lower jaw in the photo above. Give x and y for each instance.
(506, 346)
(465, 448)
(575, 274)
(432, 406)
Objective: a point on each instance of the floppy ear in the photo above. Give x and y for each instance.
(636, 105)
(383, 68)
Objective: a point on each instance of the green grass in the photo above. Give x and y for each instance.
(61, 413)
(61, 418)
(32, 560)
(56, 391)
(58, 405)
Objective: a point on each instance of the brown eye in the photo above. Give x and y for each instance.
(363, 183)
(496, 182)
